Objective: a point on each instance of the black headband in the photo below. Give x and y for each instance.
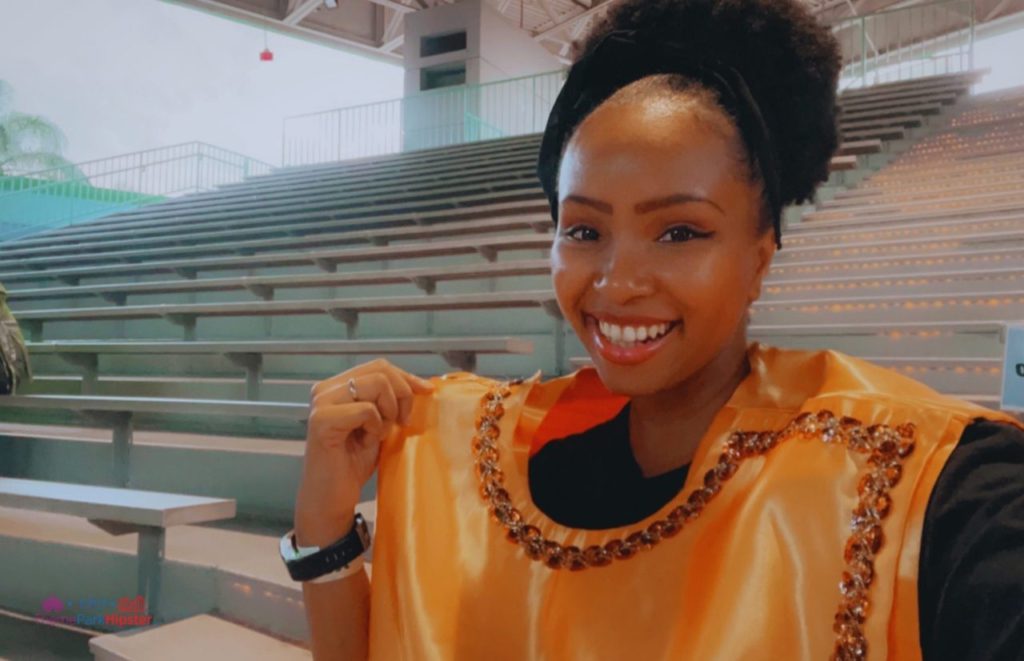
(621, 58)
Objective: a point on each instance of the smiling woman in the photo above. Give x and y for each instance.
(692, 495)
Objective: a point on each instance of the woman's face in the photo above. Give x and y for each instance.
(657, 254)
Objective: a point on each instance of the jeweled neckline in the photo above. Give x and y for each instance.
(887, 447)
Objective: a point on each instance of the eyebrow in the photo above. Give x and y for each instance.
(644, 207)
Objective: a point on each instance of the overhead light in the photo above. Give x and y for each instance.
(331, 4)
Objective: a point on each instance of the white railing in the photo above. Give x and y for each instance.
(438, 118)
(910, 42)
(46, 199)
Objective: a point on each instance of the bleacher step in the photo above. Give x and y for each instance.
(236, 574)
(198, 637)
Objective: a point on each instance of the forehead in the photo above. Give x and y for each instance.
(649, 145)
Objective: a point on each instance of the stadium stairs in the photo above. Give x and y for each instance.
(175, 345)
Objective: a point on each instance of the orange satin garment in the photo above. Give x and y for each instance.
(754, 577)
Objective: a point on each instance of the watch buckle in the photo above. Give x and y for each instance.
(363, 531)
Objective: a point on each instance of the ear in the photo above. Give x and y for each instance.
(764, 251)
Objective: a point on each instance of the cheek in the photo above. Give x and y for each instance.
(568, 277)
(712, 289)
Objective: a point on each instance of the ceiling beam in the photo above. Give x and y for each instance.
(389, 46)
(546, 4)
(392, 4)
(572, 20)
(393, 24)
(301, 11)
(996, 10)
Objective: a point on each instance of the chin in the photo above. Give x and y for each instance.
(630, 380)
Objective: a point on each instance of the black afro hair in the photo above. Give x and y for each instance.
(789, 61)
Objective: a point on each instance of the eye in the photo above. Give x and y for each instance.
(578, 232)
(682, 233)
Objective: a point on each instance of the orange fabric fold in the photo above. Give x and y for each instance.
(755, 576)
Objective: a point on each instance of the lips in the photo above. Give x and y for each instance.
(623, 329)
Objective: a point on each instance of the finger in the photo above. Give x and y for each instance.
(415, 386)
(330, 426)
(380, 389)
(375, 365)
(420, 385)
(403, 393)
(374, 388)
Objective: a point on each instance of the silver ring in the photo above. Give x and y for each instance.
(352, 390)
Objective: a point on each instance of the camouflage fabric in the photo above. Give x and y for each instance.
(14, 365)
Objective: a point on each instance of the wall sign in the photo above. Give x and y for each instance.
(1013, 369)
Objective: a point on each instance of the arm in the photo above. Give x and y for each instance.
(338, 612)
(350, 416)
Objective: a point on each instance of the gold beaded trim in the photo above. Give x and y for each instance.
(886, 449)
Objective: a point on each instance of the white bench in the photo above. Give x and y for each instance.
(118, 412)
(119, 512)
(856, 148)
(950, 281)
(924, 229)
(121, 249)
(997, 205)
(940, 99)
(390, 181)
(345, 208)
(345, 310)
(264, 286)
(925, 107)
(885, 133)
(284, 225)
(902, 121)
(326, 260)
(940, 191)
(905, 207)
(978, 305)
(880, 248)
(459, 352)
(914, 86)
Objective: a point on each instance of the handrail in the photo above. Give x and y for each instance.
(46, 199)
(84, 164)
(928, 39)
(434, 118)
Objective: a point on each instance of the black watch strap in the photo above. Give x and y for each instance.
(333, 557)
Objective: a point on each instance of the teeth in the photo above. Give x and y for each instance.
(630, 335)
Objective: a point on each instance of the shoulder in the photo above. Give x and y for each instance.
(971, 575)
(989, 455)
(983, 475)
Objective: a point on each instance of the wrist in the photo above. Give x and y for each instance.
(320, 530)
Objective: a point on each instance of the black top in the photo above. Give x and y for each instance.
(971, 572)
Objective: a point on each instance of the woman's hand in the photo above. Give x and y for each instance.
(343, 439)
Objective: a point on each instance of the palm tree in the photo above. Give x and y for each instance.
(30, 143)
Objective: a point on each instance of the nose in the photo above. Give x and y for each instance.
(625, 274)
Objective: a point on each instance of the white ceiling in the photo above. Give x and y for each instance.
(374, 27)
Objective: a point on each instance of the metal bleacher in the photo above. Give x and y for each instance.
(175, 345)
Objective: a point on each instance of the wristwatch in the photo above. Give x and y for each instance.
(306, 563)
